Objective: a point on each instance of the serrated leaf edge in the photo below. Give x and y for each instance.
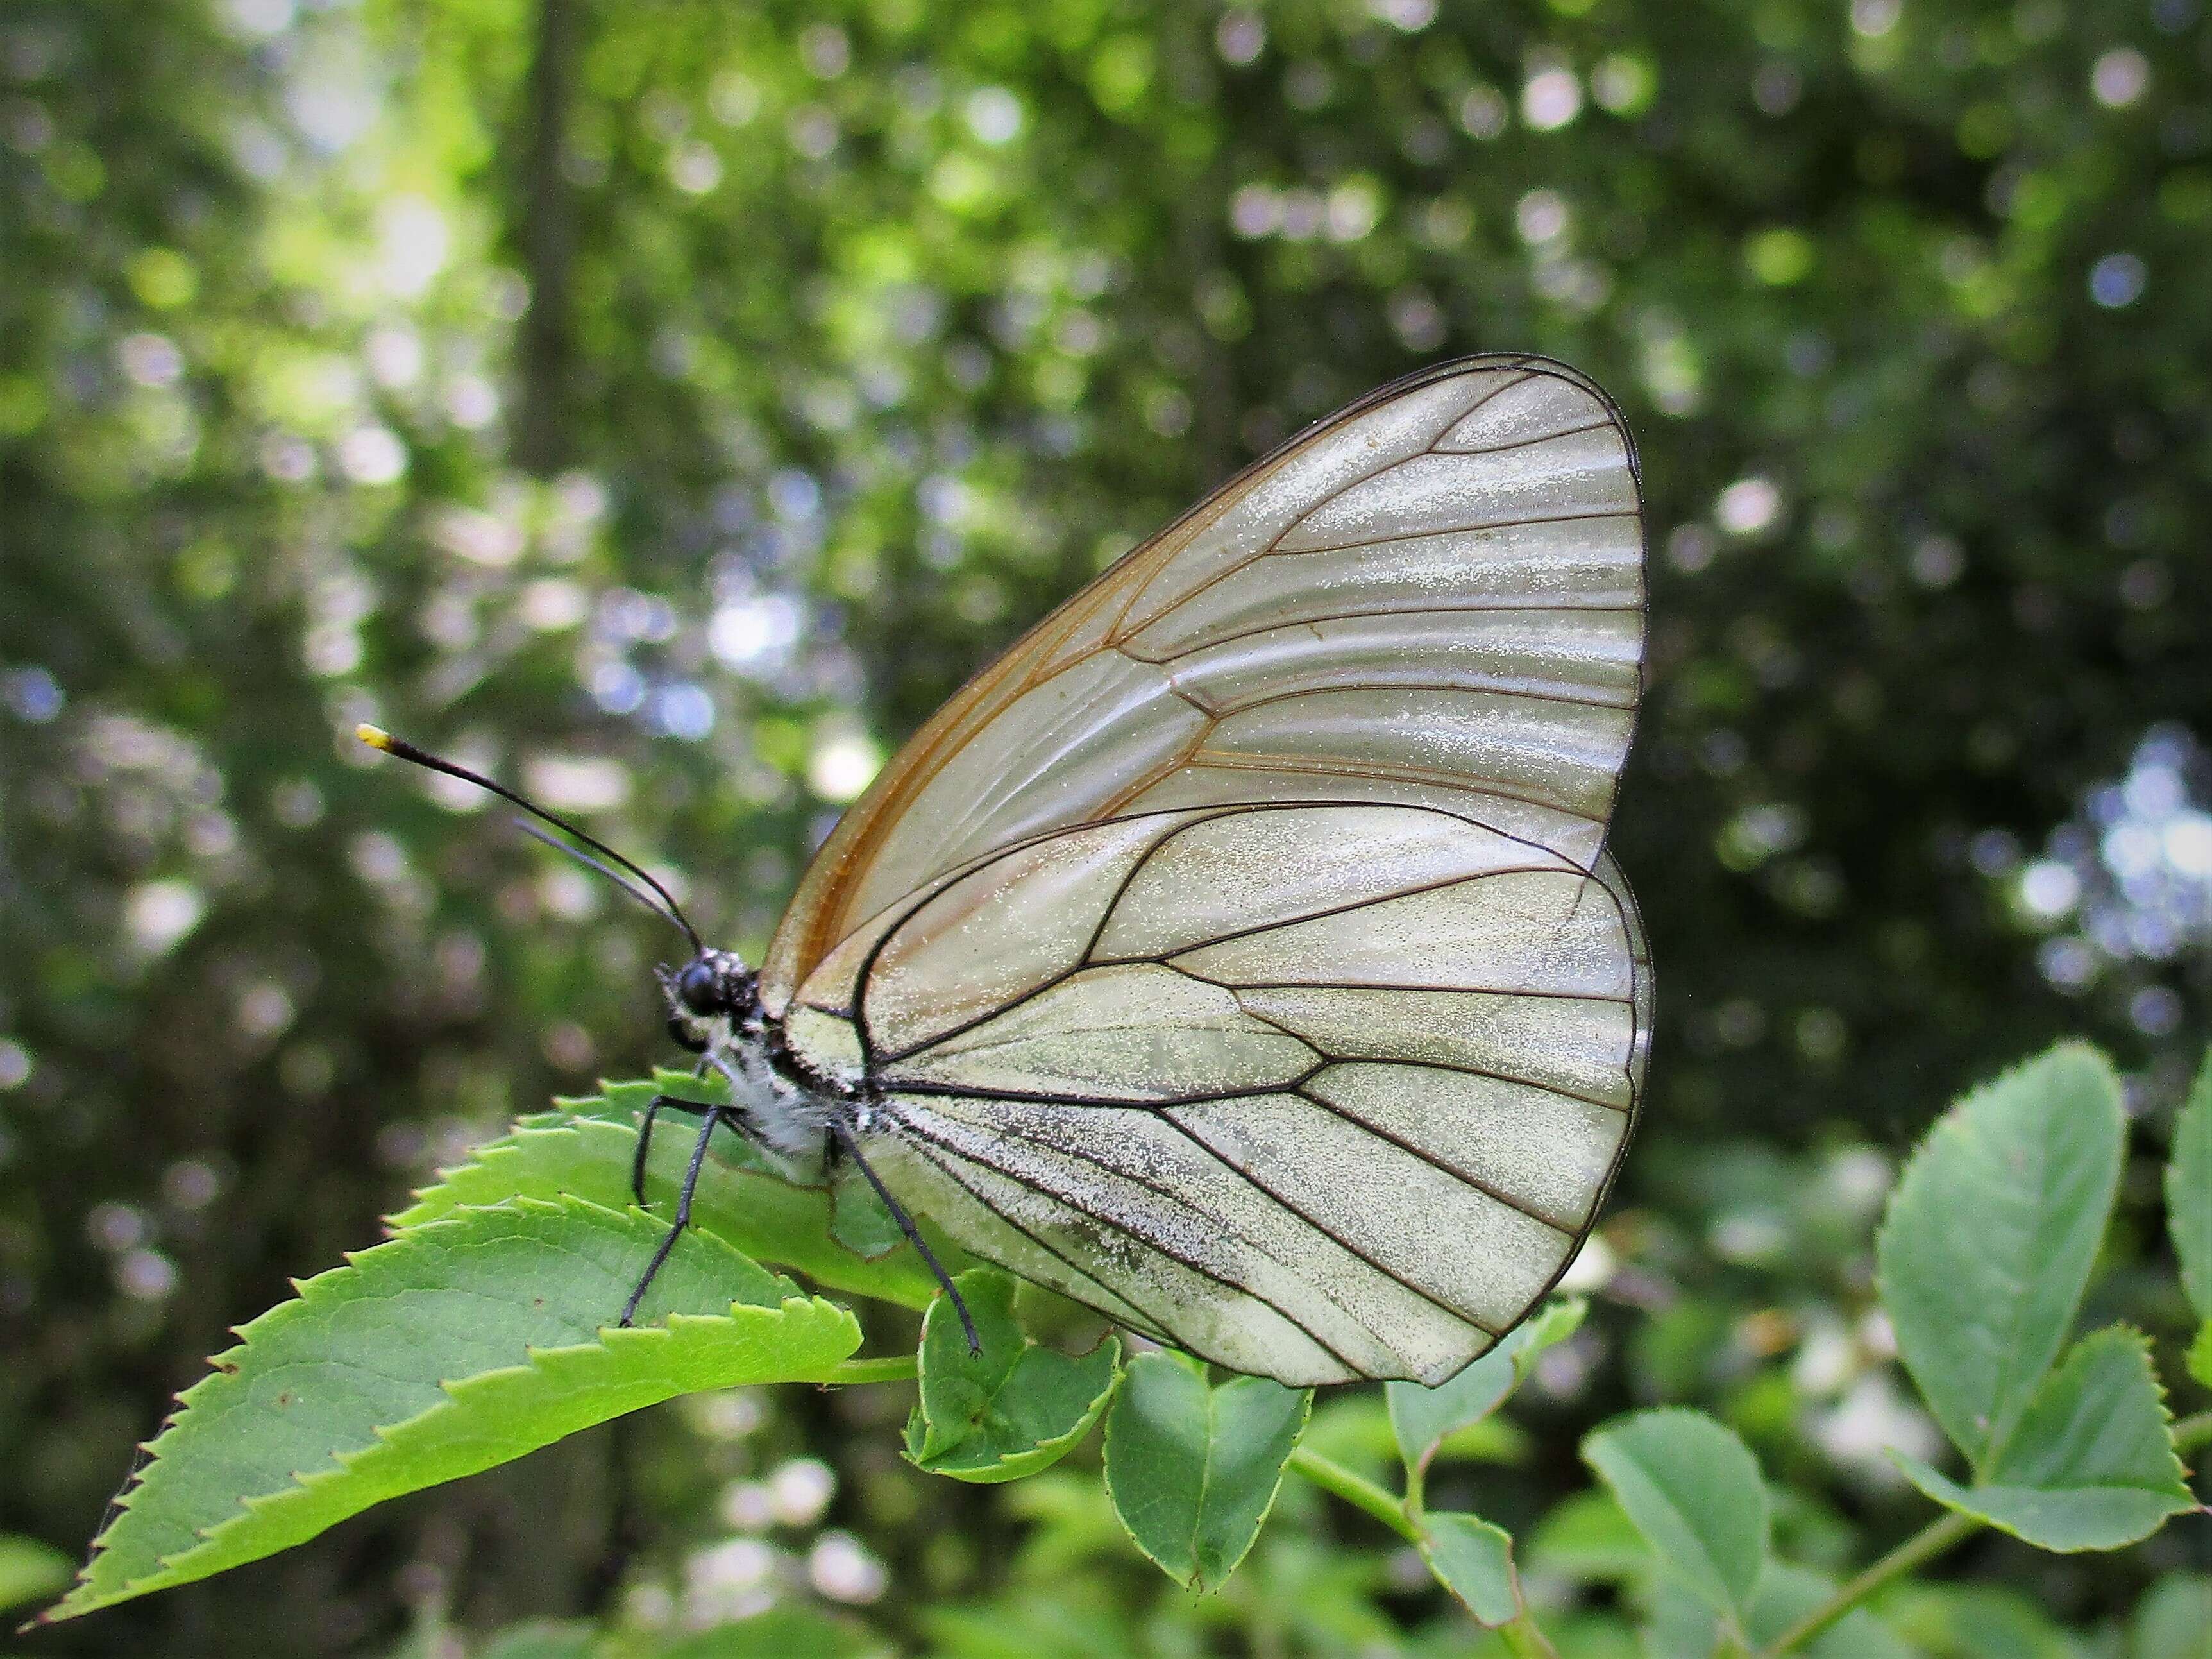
(581, 1119)
(2192, 1134)
(1944, 1124)
(305, 1291)
(1937, 1488)
(1933, 1484)
(456, 1391)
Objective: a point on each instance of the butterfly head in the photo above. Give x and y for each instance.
(710, 997)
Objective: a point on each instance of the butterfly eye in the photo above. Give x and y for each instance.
(699, 989)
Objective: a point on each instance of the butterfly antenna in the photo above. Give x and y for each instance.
(376, 738)
(605, 869)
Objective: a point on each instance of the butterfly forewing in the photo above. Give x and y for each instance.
(1472, 533)
(1238, 954)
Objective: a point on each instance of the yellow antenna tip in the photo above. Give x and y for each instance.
(375, 736)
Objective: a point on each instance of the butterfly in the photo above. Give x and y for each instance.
(1240, 954)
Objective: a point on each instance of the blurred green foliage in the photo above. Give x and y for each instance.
(666, 406)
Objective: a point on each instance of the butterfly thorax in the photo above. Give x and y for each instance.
(714, 1011)
(785, 1110)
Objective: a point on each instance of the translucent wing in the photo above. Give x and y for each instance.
(1239, 953)
(1436, 594)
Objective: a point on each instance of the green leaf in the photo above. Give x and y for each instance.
(1787, 1593)
(2093, 1467)
(2101, 1417)
(462, 1343)
(1677, 1623)
(2200, 1356)
(1492, 1440)
(1991, 1237)
(1473, 1560)
(2065, 1520)
(1694, 1491)
(1012, 1410)
(1192, 1468)
(2170, 1619)
(2188, 1192)
(30, 1570)
(589, 1153)
(1423, 1418)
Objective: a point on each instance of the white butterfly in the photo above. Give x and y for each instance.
(1239, 953)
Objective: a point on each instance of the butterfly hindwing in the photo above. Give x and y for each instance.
(1319, 1091)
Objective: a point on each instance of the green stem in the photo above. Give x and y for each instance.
(890, 1368)
(1925, 1545)
(1522, 1637)
(2193, 1431)
(1357, 1490)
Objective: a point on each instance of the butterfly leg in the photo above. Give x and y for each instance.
(712, 1116)
(843, 1138)
(653, 1110)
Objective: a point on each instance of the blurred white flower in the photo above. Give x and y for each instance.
(372, 454)
(158, 914)
(1873, 1419)
(2120, 77)
(1826, 1359)
(145, 1275)
(800, 1491)
(576, 783)
(841, 1569)
(151, 359)
(756, 634)
(1551, 98)
(1748, 506)
(747, 1506)
(731, 1581)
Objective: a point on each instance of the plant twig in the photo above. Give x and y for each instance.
(887, 1368)
(1357, 1490)
(1923, 1546)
